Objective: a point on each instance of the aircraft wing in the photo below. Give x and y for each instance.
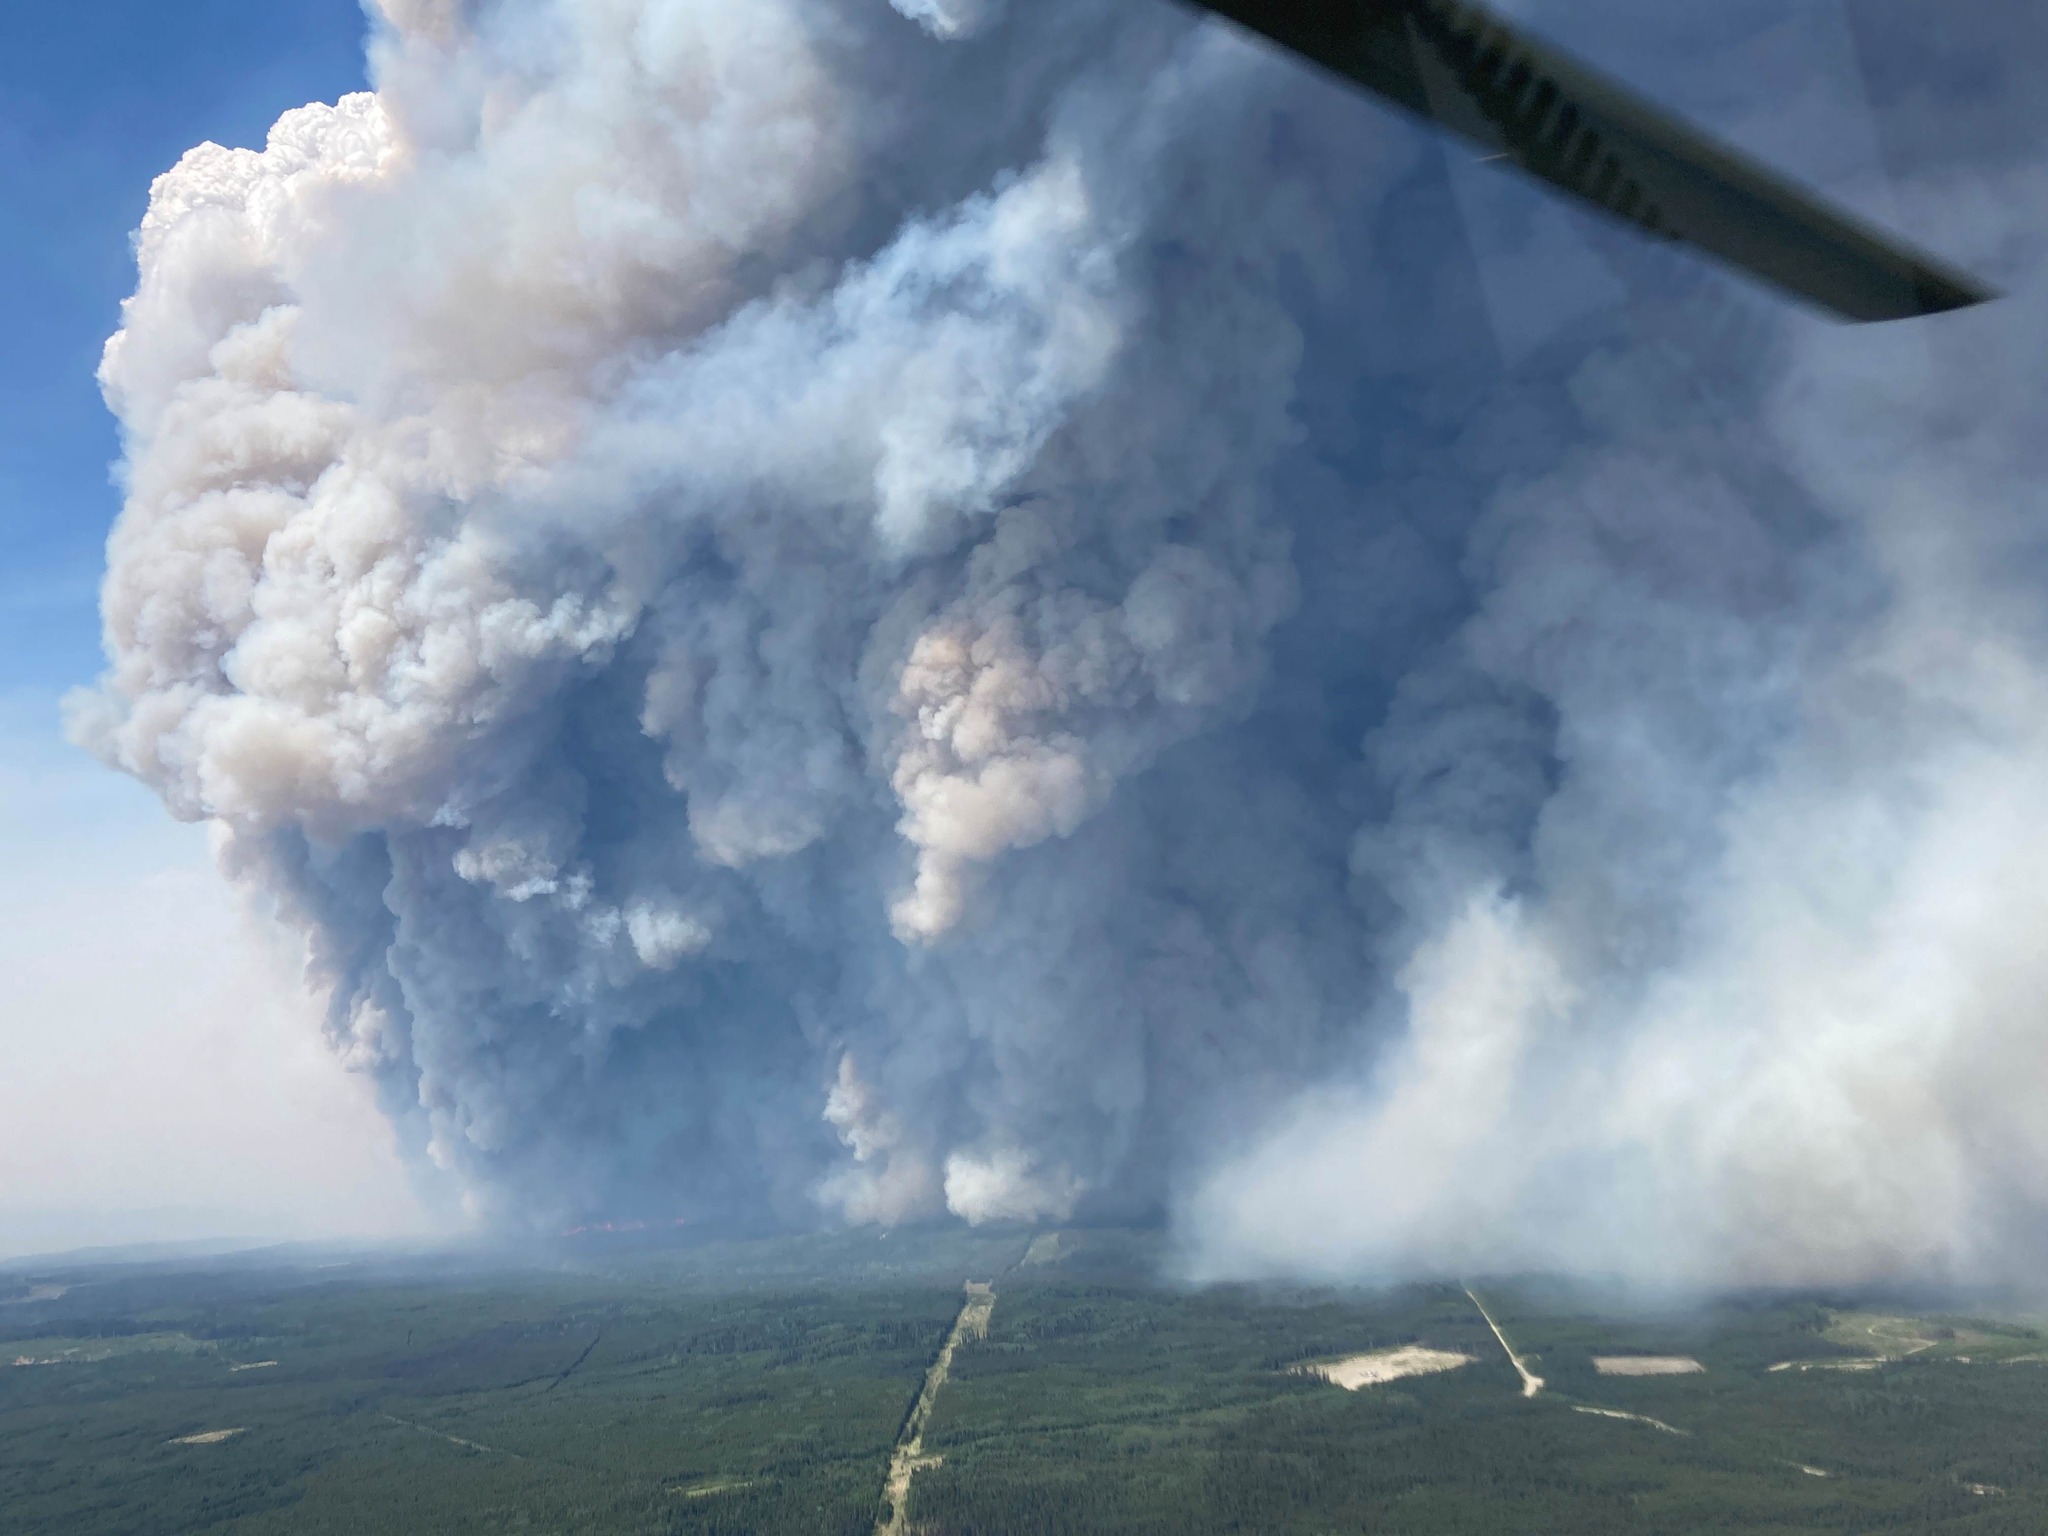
(1466, 69)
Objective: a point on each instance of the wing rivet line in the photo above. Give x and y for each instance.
(1499, 83)
(1456, 64)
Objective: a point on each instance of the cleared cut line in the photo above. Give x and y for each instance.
(1531, 1382)
(1633, 1418)
(711, 1490)
(467, 1445)
(910, 1459)
(207, 1437)
(1046, 1248)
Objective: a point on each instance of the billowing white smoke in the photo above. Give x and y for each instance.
(1765, 998)
(949, 18)
(841, 607)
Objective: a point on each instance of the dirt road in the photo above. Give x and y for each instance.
(1531, 1382)
(910, 1457)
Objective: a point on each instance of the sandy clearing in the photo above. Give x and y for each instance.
(254, 1365)
(37, 1293)
(1646, 1365)
(1633, 1418)
(1809, 1471)
(1830, 1365)
(207, 1437)
(1531, 1382)
(1983, 1490)
(1384, 1365)
(910, 1459)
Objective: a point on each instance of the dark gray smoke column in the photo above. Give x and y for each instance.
(836, 612)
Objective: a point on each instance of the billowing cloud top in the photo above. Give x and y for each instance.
(827, 610)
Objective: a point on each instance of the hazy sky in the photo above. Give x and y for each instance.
(160, 1074)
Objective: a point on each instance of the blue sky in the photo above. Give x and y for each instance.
(160, 1072)
(97, 98)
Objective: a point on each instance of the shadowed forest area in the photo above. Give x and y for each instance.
(761, 1388)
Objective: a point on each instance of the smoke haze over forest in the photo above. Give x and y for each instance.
(827, 612)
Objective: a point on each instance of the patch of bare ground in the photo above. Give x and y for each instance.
(207, 1437)
(254, 1365)
(1384, 1365)
(36, 1294)
(1646, 1365)
(910, 1459)
(1829, 1365)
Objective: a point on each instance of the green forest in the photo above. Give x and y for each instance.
(762, 1388)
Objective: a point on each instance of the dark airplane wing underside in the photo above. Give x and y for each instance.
(1466, 69)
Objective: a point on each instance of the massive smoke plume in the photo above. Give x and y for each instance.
(828, 612)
